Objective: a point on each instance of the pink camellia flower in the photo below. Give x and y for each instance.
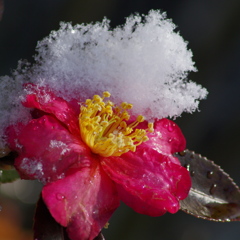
(91, 157)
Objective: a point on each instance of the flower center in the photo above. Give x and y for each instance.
(104, 129)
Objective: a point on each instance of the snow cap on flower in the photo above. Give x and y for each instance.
(144, 62)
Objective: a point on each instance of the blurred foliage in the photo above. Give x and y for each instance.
(8, 175)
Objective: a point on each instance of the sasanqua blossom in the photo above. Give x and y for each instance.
(89, 157)
(93, 151)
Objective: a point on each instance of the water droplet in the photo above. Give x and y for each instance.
(170, 128)
(95, 212)
(170, 140)
(192, 173)
(54, 168)
(60, 196)
(213, 188)
(187, 166)
(165, 125)
(209, 174)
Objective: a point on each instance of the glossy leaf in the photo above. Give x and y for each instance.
(213, 195)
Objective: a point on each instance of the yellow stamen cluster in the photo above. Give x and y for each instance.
(104, 129)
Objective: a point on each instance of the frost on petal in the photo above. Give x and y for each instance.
(43, 99)
(83, 202)
(45, 148)
(148, 182)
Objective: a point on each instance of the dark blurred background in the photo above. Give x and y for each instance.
(212, 28)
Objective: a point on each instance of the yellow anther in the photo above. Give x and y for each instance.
(129, 106)
(88, 101)
(97, 98)
(104, 129)
(140, 118)
(127, 130)
(150, 127)
(104, 123)
(126, 105)
(123, 125)
(108, 109)
(109, 103)
(125, 116)
(106, 94)
(145, 138)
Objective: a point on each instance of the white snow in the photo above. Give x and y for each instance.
(59, 145)
(144, 62)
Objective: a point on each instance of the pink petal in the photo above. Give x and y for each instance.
(46, 149)
(167, 139)
(83, 201)
(46, 101)
(148, 182)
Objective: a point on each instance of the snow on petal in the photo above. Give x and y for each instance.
(83, 201)
(46, 149)
(43, 99)
(148, 181)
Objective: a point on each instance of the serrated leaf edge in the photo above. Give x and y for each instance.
(181, 154)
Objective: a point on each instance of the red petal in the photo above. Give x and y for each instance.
(167, 137)
(46, 149)
(46, 101)
(83, 202)
(148, 182)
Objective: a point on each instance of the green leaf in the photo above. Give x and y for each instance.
(7, 171)
(7, 176)
(213, 195)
